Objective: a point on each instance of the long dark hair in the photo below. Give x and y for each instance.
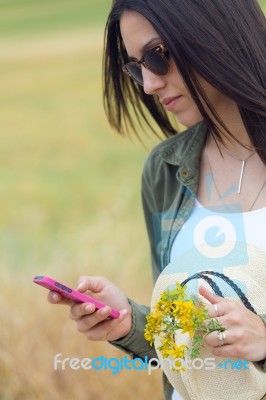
(223, 41)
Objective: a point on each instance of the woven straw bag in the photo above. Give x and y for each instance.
(219, 383)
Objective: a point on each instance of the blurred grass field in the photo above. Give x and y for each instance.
(70, 200)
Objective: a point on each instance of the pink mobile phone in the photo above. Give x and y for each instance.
(69, 293)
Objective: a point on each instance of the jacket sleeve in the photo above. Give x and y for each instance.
(134, 343)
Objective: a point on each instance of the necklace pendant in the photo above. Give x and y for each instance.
(241, 176)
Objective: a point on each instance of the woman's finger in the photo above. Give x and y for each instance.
(218, 339)
(56, 298)
(208, 295)
(78, 311)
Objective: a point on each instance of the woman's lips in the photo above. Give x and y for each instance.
(170, 103)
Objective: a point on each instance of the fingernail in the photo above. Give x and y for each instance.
(105, 311)
(55, 297)
(89, 308)
(123, 313)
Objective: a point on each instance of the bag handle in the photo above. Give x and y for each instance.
(216, 289)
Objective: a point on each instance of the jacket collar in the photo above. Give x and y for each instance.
(184, 151)
(179, 149)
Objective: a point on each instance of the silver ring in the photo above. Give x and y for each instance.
(221, 338)
(224, 337)
(216, 310)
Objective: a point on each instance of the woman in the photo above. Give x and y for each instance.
(204, 62)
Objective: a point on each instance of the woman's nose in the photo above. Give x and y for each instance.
(151, 81)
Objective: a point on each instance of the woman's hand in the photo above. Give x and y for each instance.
(95, 324)
(245, 333)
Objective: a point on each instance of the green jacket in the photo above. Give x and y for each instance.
(169, 186)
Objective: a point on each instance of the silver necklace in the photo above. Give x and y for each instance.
(218, 191)
(243, 164)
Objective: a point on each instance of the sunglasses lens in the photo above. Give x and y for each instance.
(135, 71)
(156, 62)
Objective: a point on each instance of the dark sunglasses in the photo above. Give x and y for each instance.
(155, 60)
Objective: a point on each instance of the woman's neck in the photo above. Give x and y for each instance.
(242, 146)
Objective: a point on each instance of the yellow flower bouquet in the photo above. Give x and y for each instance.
(174, 311)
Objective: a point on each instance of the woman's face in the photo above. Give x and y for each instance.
(137, 32)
